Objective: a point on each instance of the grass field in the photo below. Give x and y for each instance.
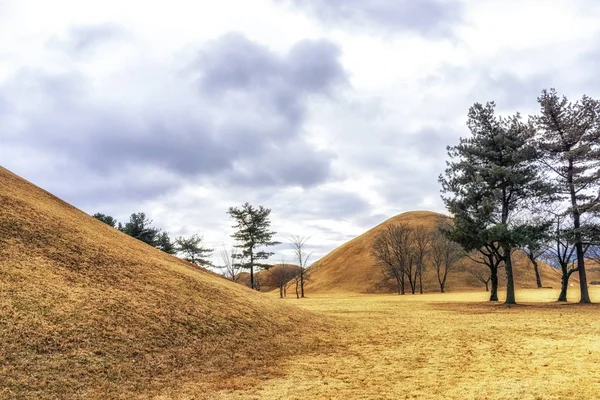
(450, 346)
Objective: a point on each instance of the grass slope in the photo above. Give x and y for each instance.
(88, 312)
(351, 268)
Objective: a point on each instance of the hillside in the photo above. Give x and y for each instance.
(89, 312)
(351, 268)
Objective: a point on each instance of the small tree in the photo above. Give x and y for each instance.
(164, 243)
(421, 245)
(482, 275)
(141, 228)
(252, 233)
(107, 219)
(445, 255)
(282, 274)
(302, 258)
(193, 251)
(231, 269)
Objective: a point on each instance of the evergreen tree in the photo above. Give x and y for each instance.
(141, 228)
(569, 137)
(164, 243)
(492, 175)
(107, 219)
(252, 233)
(193, 251)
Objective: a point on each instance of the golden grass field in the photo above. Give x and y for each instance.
(87, 312)
(445, 346)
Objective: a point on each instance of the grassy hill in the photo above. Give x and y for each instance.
(89, 312)
(351, 268)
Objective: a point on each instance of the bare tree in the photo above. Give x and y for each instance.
(231, 269)
(560, 254)
(483, 277)
(298, 243)
(282, 274)
(421, 243)
(393, 252)
(489, 256)
(445, 255)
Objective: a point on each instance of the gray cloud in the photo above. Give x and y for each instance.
(250, 110)
(85, 39)
(425, 17)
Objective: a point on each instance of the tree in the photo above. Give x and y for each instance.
(392, 250)
(107, 219)
(492, 175)
(534, 244)
(282, 274)
(164, 243)
(302, 258)
(569, 137)
(231, 270)
(421, 243)
(252, 233)
(445, 255)
(193, 251)
(141, 228)
(483, 277)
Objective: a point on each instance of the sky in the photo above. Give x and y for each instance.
(335, 114)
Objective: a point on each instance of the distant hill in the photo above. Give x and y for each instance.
(352, 268)
(268, 279)
(89, 312)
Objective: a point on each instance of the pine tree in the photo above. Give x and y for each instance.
(107, 219)
(569, 137)
(164, 243)
(252, 233)
(193, 251)
(492, 175)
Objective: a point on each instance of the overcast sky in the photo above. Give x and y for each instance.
(333, 113)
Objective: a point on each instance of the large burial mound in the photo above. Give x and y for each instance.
(352, 268)
(89, 312)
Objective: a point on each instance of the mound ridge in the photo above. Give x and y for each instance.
(352, 268)
(88, 312)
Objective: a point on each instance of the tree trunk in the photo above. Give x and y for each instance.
(251, 272)
(510, 284)
(281, 291)
(564, 285)
(398, 285)
(297, 294)
(302, 283)
(402, 287)
(421, 279)
(487, 287)
(494, 279)
(442, 287)
(538, 279)
(585, 296)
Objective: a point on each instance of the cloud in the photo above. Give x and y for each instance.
(424, 17)
(235, 116)
(84, 39)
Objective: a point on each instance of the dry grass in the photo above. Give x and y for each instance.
(351, 267)
(451, 346)
(88, 312)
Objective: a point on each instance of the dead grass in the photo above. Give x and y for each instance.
(451, 346)
(88, 312)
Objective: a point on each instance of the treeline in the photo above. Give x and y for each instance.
(252, 237)
(512, 185)
(531, 185)
(140, 227)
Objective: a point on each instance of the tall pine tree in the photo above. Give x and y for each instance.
(569, 137)
(492, 175)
